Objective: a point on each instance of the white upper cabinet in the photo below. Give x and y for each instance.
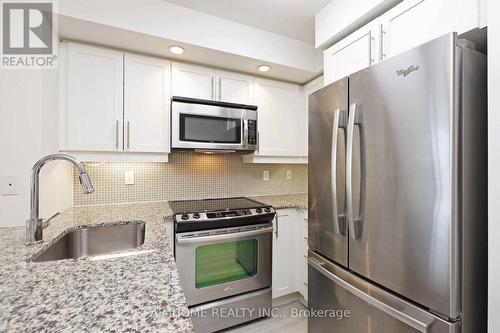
(208, 83)
(414, 22)
(280, 118)
(193, 81)
(353, 53)
(92, 98)
(307, 90)
(234, 87)
(147, 104)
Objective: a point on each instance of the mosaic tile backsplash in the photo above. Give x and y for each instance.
(187, 176)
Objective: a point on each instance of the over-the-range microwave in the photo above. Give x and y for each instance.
(212, 126)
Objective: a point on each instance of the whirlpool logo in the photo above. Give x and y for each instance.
(407, 71)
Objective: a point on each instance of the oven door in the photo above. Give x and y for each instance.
(224, 262)
(201, 126)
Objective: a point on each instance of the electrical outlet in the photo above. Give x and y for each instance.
(265, 175)
(9, 185)
(289, 174)
(129, 178)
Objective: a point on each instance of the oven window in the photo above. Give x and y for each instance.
(225, 262)
(197, 128)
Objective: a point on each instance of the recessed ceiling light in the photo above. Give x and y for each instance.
(264, 68)
(176, 49)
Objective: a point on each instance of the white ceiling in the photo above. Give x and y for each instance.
(291, 18)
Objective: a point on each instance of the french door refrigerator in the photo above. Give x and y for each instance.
(397, 195)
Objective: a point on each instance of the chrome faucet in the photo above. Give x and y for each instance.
(34, 226)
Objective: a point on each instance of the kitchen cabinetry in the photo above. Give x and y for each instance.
(303, 258)
(285, 275)
(234, 87)
(406, 25)
(290, 252)
(281, 121)
(208, 83)
(193, 81)
(353, 53)
(113, 102)
(147, 104)
(414, 22)
(307, 90)
(92, 98)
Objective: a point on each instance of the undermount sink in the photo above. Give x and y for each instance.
(95, 241)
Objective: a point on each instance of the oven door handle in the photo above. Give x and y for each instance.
(232, 235)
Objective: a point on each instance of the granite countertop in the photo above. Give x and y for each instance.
(139, 292)
(284, 200)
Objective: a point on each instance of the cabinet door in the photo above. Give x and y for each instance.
(285, 275)
(193, 81)
(280, 121)
(93, 107)
(353, 53)
(147, 96)
(414, 22)
(308, 89)
(234, 87)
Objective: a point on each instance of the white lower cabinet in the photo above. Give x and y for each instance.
(169, 225)
(289, 271)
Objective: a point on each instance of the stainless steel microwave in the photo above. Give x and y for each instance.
(212, 126)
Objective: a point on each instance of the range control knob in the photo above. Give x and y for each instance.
(267, 209)
(185, 217)
(196, 215)
(259, 210)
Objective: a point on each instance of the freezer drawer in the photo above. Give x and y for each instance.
(370, 309)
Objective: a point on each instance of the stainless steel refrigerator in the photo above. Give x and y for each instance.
(398, 195)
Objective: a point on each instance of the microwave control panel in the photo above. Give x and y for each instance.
(252, 132)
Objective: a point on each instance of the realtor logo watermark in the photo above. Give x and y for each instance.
(29, 36)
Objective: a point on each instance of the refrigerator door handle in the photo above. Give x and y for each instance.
(354, 222)
(339, 121)
(420, 324)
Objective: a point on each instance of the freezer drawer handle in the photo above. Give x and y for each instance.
(395, 313)
(354, 223)
(339, 121)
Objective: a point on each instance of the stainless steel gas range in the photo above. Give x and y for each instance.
(223, 250)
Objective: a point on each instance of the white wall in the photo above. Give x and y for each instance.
(493, 10)
(28, 130)
(163, 19)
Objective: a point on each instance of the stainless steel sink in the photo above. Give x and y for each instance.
(95, 241)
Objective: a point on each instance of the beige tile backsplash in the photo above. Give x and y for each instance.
(187, 176)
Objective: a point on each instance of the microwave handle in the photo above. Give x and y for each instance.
(245, 133)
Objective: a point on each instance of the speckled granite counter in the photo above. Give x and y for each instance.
(140, 293)
(284, 200)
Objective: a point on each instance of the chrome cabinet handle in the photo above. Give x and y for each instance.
(338, 219)
(420, 324)
(276, 230)
(383, 34)
(220, 89)
(117, 134)
(354, 222)
(232, 236)
(213, 88)
(128, 134)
